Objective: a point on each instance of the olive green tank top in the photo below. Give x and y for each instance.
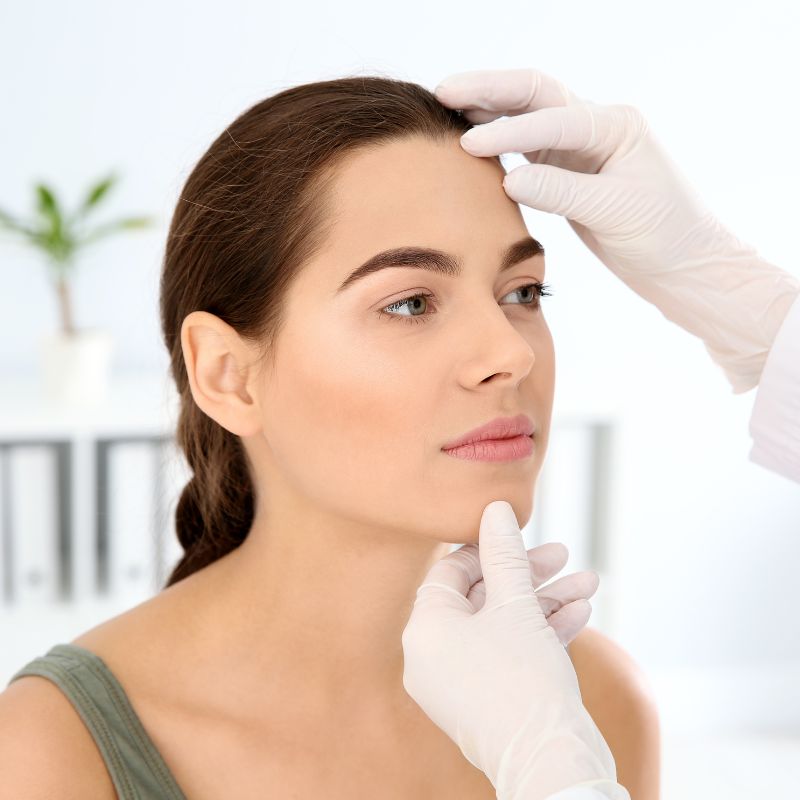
(135, 765)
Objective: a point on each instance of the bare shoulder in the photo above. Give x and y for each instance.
(601, 663)
(619, 698)
(45, 749)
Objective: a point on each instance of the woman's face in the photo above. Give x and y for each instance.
(362, 397)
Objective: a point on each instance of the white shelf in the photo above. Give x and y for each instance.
(87, 492)
(140, 403)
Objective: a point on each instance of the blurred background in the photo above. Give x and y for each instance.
(647, 478)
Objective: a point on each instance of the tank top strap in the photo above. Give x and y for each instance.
(136, 767)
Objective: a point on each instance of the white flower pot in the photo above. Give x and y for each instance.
(75, 369)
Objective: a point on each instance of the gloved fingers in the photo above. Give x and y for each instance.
(545, 559)
(461, 570)
(459, 573)
(568, 588)
(446, 584)
(504, 559)
(593, 132)
(456, 569)
(564, 590)
(477, 116)
(507, 91)
(578, 197)
(570, 620)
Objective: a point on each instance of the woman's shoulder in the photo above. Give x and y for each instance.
(45, 749)
(603, 661)
(621, 701)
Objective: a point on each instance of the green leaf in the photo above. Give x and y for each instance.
(47, 203)
(99, 191)
(49, 209)
(129, 223)
(95, 195)
(136, 222)
(8, 222)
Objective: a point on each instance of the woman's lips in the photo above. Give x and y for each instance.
(496, 429)
(509, 449)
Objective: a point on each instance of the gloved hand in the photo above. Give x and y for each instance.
(498, 680)
(603, 168)
(559, 600)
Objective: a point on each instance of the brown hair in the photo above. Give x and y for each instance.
(252, 211)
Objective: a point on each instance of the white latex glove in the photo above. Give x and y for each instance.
(560, 600)
(497, 679)
(603, 169)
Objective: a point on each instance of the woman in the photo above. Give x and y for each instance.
(318, 389)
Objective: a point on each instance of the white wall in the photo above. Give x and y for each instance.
(706, 544)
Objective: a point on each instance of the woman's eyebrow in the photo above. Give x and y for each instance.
(437, 260)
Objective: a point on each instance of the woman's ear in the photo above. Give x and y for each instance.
(222, 369)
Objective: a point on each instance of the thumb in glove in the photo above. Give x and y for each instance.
(498, 681)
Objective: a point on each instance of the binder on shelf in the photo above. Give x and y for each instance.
(34, 555)
(131, 545)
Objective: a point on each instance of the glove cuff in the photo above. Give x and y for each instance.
(726, 294)
(547, 755)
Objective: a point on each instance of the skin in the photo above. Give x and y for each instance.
(356, 500)
(284, 657)
(281, 663)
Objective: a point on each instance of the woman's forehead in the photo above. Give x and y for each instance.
(416, 191)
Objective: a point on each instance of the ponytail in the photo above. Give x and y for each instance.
(215, 510)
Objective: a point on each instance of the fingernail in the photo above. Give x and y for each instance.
(468, 137)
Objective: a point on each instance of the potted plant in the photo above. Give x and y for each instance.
(75, 362)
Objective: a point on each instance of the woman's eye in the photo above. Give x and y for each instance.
(541, 290)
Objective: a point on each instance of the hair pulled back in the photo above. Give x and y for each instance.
(251, 212)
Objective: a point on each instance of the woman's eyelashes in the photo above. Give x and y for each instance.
(541, 290)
